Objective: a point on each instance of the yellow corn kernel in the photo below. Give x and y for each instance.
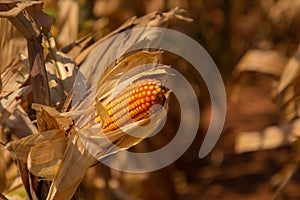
(133, 103)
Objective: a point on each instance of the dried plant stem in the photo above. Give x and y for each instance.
(39, 79)
(41, 95)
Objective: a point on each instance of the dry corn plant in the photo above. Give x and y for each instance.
(284, 16)
(286, 95)
(50, 156)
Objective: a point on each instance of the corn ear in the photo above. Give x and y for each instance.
(133, 104)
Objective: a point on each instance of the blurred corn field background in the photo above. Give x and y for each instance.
(255, 45)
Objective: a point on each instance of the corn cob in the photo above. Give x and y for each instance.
(133, 104)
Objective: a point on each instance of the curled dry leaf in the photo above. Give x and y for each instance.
(50, 143)
(31, 153)
(14, 77)
(29, 23)
(12, 8)
(45, 156)
(74, 165)
(78, 46)
(268, 62)
(151, 19)
(287, 92)
(9, 104)
(21, 148)
(262, 61)
(48, 118)
(13, 117)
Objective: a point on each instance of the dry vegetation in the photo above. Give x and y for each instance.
(255, 45)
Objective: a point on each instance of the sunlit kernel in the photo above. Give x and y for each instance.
(151, 87)
(153, 98)
(155, 92)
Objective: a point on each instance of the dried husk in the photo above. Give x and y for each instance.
(90, 145)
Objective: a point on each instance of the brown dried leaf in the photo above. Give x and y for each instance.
(268, 138)
(287, 92)
(21, 148)
(151, 19)
(45, 157)
(14, 11)
(261, 61)
(19, 123)
(158, 19)
(48, 118)
(10, 103)
(74, 165)
(79, 45)
(61, 73)
(16, 7)
(80, 58)
(12, 43)
(13, 78)
(21, 20)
